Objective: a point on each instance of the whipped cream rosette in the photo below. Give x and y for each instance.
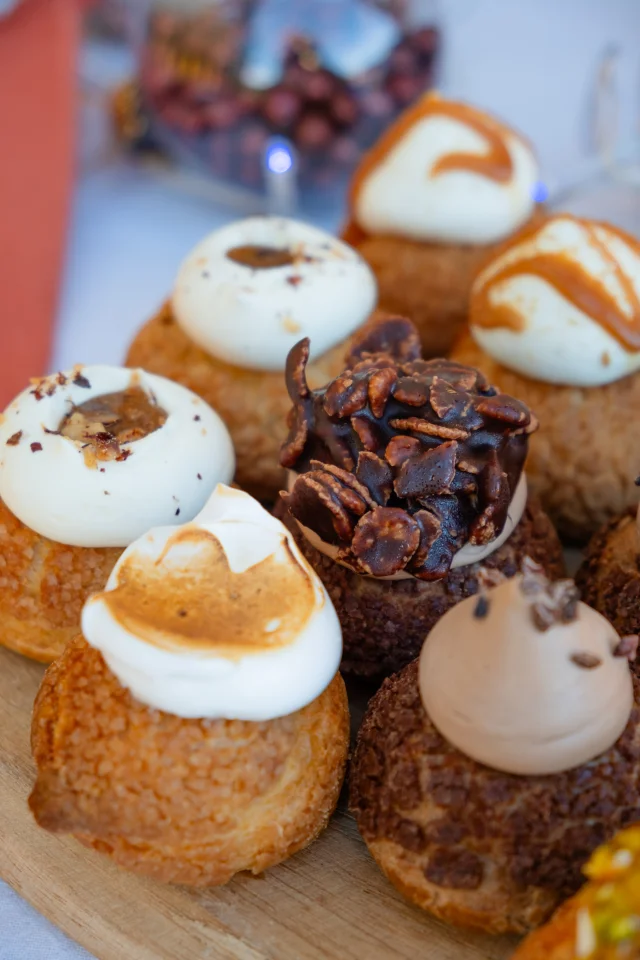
(446, 172)
(249, 291)
(95, 456)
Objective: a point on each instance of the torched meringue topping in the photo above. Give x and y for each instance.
(526, 679)
(96, 456)
(222, 617)
(561, 303)
(447, 172)
(404, 463)
(249, 291)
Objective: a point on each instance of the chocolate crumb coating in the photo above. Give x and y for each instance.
(402, 461)
(384, 623)
(470, 844)
(609, 578)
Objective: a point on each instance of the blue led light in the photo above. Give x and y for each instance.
(540, 192)
(279, 159)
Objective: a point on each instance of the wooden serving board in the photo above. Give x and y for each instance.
(329, 902)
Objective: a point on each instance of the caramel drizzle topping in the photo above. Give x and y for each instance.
(495, 163)
(204, 606)
(572, 282)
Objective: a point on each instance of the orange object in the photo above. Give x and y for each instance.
(38, 44)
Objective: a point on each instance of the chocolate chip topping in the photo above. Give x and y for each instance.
(481, 608)
(437, 453)
(627, 647)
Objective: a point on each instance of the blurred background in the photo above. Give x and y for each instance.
(133, 127)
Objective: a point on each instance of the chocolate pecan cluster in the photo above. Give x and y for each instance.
(401, 461)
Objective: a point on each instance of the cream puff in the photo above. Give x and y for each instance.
(429, 203)
(602, 922)
(210, 726)
(406, 489)
(89, 460)
(555, 319)
(487, 771)
(242, 298)
(609, 578)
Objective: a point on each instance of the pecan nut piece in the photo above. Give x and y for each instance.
(376, 475)
(429, 440)
(430, 473)
(385, 540)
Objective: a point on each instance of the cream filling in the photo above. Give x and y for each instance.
(512, 696)
(557, 341)
(47, 483)
(401, 196)
(252, 317)
(468, 554)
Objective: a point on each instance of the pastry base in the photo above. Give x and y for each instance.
(43, 587)
(501, 851)
(385, 622)
(254, 404)
(609, 578)
(427, 282)
(585, 458)
(182, 801)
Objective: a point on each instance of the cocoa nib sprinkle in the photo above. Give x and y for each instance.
(47, 386)
(627, 647)
(481, 608)
(553, 603)
(400, 460)
(14, 439)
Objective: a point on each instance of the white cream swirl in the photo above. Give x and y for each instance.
(521, 699)
(48, 484)
(222, 617)
(432, 177)
(469, 553)
(251, 317)
(550, 304)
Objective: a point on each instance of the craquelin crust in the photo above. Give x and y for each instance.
(43, 586)
(384, 623)
(584, 459)
(471, 845)
(183, 801)
(609, 578)
(254, 404)
(429, 282)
